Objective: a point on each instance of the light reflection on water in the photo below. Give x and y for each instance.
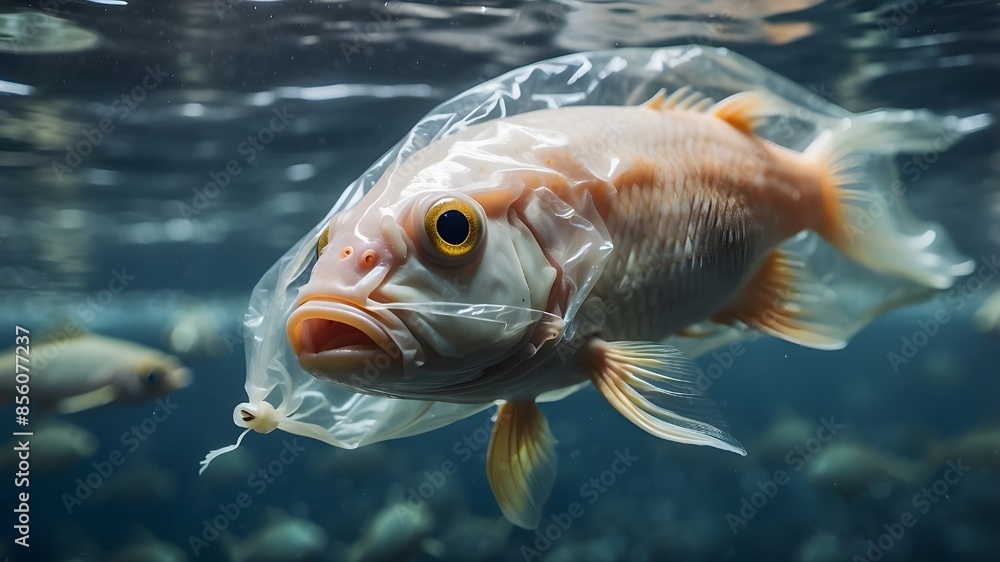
(129, 123)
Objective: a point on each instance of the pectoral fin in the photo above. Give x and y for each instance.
(653, 386)
(521, 463)
(104, 395)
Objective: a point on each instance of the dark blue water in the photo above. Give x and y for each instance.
(115, 115)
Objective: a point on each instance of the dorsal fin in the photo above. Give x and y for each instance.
(746, 110)
(683, 99)
(63, 330)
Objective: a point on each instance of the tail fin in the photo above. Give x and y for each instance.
(864, 213)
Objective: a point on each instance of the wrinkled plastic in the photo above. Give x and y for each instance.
(307, 406)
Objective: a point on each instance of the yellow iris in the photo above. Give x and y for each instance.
(453, 227)
(324, 239)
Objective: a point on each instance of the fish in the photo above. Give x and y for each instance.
(850, 467)
(55, 446)
(141, 546)
(513, 261)
(987, 317)
(785, 432)
(195, 334)
(397, 532)
(151, 549)
(979, 447)
(282, 538)
(821, 546)
(470, 538)
(88, 370)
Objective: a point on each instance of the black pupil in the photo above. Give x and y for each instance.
(453, 227)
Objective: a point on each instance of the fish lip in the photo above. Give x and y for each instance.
(181, 377)
(335, 310)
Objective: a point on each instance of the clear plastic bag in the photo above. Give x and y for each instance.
(281, 395)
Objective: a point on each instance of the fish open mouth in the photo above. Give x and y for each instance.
(333, 330)
(319, 334)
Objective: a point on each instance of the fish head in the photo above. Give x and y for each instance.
(416, 293)
(152, 375)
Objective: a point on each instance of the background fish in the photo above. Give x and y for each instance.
(55, 447)
(90, 370)
(142, 546)
(282, 538)
(987, 318)
(195, 333)
(850, 467)
(397, 532)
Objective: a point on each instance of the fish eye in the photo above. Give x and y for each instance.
(153, 377)
(454, 227)
(324, 239)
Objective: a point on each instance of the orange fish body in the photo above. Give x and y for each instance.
(516, 260)
(521, 257)
(512, 261)
(694, 206)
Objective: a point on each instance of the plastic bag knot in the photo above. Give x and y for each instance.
(260, 417)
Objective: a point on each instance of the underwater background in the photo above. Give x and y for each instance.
(115, 114)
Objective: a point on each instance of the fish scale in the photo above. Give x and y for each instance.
(697, 249)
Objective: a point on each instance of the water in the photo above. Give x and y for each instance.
(114, 116)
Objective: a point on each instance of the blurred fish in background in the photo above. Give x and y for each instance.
(195, 333)
(281, 538)
(470, 538)
(987, 318)
(87, 370)
(397, 532)
(849, 467)
(979, 446)
(55, 446)
(140, 546)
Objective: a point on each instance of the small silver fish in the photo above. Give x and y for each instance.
(283, 538)
(89, 370)
(55, 446)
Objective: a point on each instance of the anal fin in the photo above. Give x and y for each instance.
(782, 300)
(521, 463)
(655, 388)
